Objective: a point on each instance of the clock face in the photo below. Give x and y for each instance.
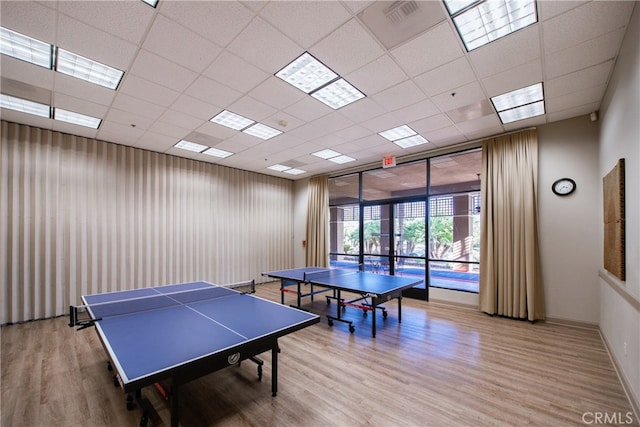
(564, 186)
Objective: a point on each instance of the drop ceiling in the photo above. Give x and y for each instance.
(185, 62)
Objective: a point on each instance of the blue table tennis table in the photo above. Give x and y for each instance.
(177, 333)
(373, 289)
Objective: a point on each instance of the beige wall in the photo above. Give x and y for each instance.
(620, 138)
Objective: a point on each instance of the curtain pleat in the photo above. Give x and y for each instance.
(318, 222)
(510, 273)
(81, 216)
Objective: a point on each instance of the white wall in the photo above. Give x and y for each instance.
(569, 226)
(620, 138)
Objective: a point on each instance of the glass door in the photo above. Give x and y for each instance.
(394, 236)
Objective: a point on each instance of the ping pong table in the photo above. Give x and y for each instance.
(177, 333)
(373, 289)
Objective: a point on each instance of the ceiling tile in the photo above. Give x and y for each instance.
(235, 72)
(210, 91)
(459, 97)
(416, 111)
(162, 71)
(514, 78)
(126, 118)
(217, 21)
(580, 80)
(364, 109)
(306, 22)
(252, 108)
(393, 23)
(139, 87)
(116, 132)
(584, 23)
(446, 77)
(399, 96)
(332, 122)
(277, 93)
(82, 89)
(179, 119)
(24, 76)
(95, 44)
(471, 112)
(80, 105)
(572, 100)
(347, 48)
(138, 106)
(309, 109)
(508, 52)
(584, 55)
(549, 9)
(176, 43)
(155, 142)
(194, 107)
(265, 47)
(127, 20)
(435, 122)
(430, 50)
(574, 112)
(376, 76)
(30, 18)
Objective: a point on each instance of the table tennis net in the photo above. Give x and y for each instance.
(164, 299)
(325, 274)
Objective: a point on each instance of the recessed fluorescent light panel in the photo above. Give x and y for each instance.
(481, 22)
(24, 106)
(232, 120)
(76, 118)
(279, 167)
(316, 79)
(306, 73)
(398, 133)
(262, 131)
(411, 141)
(87, 69)
(294, 171)
(191, 146)
(342, 159)
(326, 154)
(25, 48)
(338, 94)
(215, 152)
(520, 104)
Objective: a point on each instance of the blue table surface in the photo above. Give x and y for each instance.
(349, 280)
(167, 335)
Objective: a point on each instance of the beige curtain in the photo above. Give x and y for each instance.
(510, 274)
(81, 216)
(318, 222)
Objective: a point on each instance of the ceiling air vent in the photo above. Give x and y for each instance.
(399, 10)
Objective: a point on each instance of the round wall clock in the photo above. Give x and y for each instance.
(564, 186)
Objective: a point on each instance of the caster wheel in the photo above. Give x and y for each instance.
(364, 314)
(352, 329)
(328, 301)
(109, 367)
(384, 314)
(259, 373)
(330, 322)
(116, 383)
(144, 420)
(130, 404)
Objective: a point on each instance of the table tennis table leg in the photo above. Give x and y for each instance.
(274, 369)
(173, 403)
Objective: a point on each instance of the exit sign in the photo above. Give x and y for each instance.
(389, 162)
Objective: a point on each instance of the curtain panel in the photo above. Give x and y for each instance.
(317, 253)
(81, 216)
(510, 273)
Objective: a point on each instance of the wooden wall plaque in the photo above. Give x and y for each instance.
(613, 194)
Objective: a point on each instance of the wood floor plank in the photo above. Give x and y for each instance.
(442, 366)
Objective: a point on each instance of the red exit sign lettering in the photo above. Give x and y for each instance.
(388, 162)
